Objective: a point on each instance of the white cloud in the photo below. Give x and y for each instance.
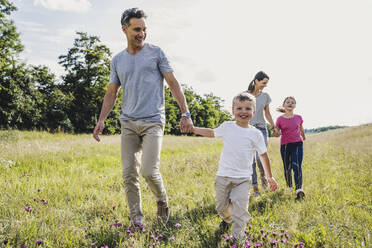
(65, 5)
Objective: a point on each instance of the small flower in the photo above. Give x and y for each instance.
(257, 244)
(36, 199)
(43, 201)
(250, 225)
(273, 242)
(274, 233)
(28, 209)
(284, 241)
(228, 238)
(131, 234)
(301, 244)
(264, 235)
(38, 190)
(23, 246)
(160, 236)
(177, 225)
(247, 244)
(262, 230)
(171, 239)
(39, 242)
(6, 240)
(113, 207)
(93, 244)
(233, 246)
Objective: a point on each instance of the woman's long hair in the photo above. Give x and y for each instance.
(259, 76)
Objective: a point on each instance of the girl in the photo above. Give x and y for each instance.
(291, 143)
(263, 100)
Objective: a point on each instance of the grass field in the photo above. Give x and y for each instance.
(60, 190)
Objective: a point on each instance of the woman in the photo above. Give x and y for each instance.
(263, 100)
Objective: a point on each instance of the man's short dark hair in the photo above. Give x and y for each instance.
(131, 13)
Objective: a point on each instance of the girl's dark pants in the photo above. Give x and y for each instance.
(292, 154)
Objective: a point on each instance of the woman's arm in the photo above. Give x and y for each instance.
(268, 115)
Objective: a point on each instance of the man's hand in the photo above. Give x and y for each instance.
(186, 125)
(98, 130)
(272, 183)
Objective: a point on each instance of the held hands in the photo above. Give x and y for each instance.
(276, 132)
(98, 130)
(186, 125)
(272, 183)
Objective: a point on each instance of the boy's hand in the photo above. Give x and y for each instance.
(273, 184)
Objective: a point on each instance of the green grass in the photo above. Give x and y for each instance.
(80, 183)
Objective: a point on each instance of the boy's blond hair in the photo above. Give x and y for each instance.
(245, 96)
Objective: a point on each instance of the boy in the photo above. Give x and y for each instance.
(234, 173)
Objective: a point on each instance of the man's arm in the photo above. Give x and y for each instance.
(206, 132)
(185, 122)
(266, 165)
(108, 104)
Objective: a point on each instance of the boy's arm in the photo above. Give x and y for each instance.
(264, 157)
(302, 132)
(206, 132)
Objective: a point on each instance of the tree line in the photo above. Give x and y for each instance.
(32, 97)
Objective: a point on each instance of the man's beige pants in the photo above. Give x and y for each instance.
(141, 137)
(232, 196)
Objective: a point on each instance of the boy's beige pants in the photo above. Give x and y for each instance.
(141, 138)
(232, 196)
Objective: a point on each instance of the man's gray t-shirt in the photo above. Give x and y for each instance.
(258, 119)
(141, 77)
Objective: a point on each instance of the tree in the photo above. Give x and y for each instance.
(10, 47)
(206, 111)
(87, 65)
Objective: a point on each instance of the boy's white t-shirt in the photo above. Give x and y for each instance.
(239, 149)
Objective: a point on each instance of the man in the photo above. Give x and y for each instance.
(140, 70)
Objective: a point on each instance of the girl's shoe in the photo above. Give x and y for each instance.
(300, 194)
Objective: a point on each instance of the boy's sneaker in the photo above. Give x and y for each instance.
(300, 194)
(264, 183)
(163, 211)
(224, 226)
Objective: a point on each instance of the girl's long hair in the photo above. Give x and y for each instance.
(259, 76)
(281, 109)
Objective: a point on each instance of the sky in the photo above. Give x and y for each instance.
(318, 51)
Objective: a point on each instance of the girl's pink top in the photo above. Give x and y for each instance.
(290, 128)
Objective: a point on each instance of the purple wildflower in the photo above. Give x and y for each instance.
(247, 244)
(104, 246)
(262, 230)
(43, 201)
(38, 190)
(273, 242)
(228, 238)
(264, 235)
(36, 199)
(6, 240)
(171, 239)
(301, 244)
(93, 244)
(233, 246)
(113, 207)
(39, 242)
(131, 234)
(28, 209)
(160, 236)
(257, 244)
(177, 225)
(284, 241)
(23, 246)
(250, 225)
